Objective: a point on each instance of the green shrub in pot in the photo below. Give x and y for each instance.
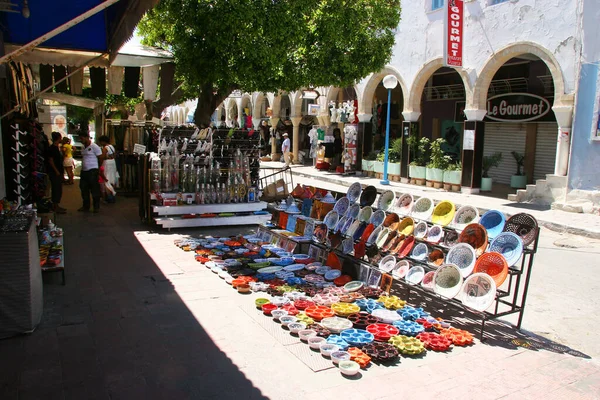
(489, 162)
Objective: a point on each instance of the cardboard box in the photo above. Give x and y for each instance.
(275, 191)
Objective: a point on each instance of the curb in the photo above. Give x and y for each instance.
(560, 228)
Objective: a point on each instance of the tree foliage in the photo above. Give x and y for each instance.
(270, 45)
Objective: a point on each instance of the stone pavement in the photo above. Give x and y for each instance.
(140, 319)
(580, 224)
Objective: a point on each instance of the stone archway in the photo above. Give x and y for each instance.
(365, 103)
(498, 59)
(245, 103)
(416, 92)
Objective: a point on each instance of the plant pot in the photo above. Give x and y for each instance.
(417, 172)
(435, 175)
(367, 165)
(518, 181)
(394, 169)
(486, 184)
(378, 166)
(452, 177)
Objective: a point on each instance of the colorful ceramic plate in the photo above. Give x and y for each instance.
(377, 218)
(354, 192)
(353, 286)
(333, 274)
(386, 200)
(294, 267)
(342, 206)
(368, 196)
(353, 211)
(331, 219)
(269, 270)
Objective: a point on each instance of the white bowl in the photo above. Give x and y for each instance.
(306, 334)
(277, 314)
(287, 320)
(349, 368)
(339, 356)
(316, 342)
(296, 327)
(328, 348)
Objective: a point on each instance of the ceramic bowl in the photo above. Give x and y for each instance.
(327, 348)
(316, 342)
(261, 302)
(448, 280)
(277, 314)
(340, 356)
(296, 327)
(306, 334)
(244, 288)
(415, 275)
(349, 368)
(268, 308)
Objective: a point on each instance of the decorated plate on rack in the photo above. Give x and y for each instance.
(447, 281)
(401, 269)
(373, 237)
(415, 275)
(368, 196)
(420, 231)
(386, 200)
(340, 224)
(387, 263)
(341, 206)
(353, 211)
(353, 228)
(348, 246)
(347, 224)
(331, 219)
(377, 218)
(320, 234)
(354, 192)
(404, 204)
(365, 214)
(382, 238)
(478, 291)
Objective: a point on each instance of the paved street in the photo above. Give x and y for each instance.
(140, 319)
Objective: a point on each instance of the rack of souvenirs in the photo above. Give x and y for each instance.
(52, 257)
(205, 177)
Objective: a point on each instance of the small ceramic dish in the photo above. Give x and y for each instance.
(244, 288)
(328, 348)
(349, 368)
(277, 314)
(415, 275)
(339, 356)
(306, 334)
(287, 319)
(353, 286)
(296, 327)
(261, 301)
(316, 342)
(268, 308)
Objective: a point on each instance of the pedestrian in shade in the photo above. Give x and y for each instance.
(56, 172)
(88, 183)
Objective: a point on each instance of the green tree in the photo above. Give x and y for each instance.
(267, 45)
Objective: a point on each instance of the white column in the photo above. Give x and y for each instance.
(296, 138)
(564, 118)
(256, 123)
(364, 118)
(274, 150)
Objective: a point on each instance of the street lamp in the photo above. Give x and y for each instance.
(389, 82)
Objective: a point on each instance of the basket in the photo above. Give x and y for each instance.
(495, 265)
(390, 219)
(354, 192)
(422, 209)
(420, 252)
(524, 225)
(443, 213)
(420, 230)
(509, 245)
(464, 216)
(463, 256)
(406, 226)
(365, 214)
(448, 281)
(377, 218)
(476, 236)
(386, 200)
(493, 221)
(435, 234)
(404, 204)
(478, 291)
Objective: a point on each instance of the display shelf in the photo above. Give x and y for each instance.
(210, 208)
(61, 266)
(178, 222)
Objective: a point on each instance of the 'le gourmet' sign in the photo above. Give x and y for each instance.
(517, 107)
(453, 33)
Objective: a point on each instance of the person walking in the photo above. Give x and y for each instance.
(285, 149)
(88, 183)
(68, 161)
(56, 172)
(109, 164)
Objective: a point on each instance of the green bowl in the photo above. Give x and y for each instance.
(261, 302)
(259, 265)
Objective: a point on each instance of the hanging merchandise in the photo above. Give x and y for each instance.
(350, 153)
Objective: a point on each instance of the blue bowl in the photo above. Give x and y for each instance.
(493, 221)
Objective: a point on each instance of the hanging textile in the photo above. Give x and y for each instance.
(98, 80)
(45, 76)
(115, 80)
(59, 73)
(76, 81)
(132, 81)
(150, 81)
(167, 73)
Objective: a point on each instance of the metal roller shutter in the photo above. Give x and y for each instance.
(545, 149)
(504, 137)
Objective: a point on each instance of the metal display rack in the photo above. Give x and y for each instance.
(508, 301)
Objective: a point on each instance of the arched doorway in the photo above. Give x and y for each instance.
(246, 111)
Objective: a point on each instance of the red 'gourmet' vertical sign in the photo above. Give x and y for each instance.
(453, 33)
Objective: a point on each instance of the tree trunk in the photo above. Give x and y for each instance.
(156, 108)
(208, 102)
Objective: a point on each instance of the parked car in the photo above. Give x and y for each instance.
(77, 146)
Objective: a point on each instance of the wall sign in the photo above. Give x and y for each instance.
(453, 33)
(517, 107)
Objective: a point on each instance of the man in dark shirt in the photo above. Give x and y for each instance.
(56, 172)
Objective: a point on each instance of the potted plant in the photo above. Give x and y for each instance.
(453, 176)
(438, 162)
(368, 162)
(418, 151)
(489, 162)
(378, 163)
(518, 181)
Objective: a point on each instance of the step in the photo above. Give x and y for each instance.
(556, 180)
(530, 190)
(522, 195)
(512, 197)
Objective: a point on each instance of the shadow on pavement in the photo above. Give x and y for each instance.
(118, 329)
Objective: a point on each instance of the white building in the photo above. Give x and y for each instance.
(515, 52)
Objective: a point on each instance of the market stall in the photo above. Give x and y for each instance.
(351, 295)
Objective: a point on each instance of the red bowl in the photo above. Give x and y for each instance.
(268, 308)
(382, 332)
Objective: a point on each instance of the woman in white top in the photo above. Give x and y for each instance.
(109, 164)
